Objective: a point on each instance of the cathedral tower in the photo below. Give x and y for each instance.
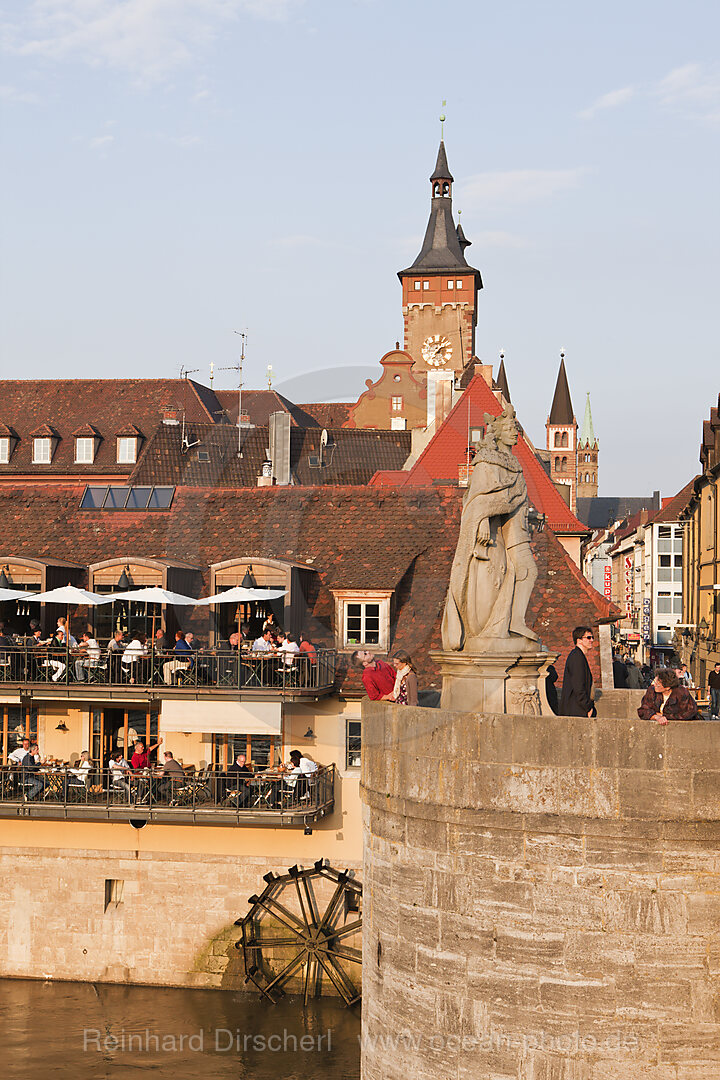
(588, 449)
(561, 430)
(440, 289)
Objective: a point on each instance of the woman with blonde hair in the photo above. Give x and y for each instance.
(405, 691)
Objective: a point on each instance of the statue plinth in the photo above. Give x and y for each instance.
(487, 682)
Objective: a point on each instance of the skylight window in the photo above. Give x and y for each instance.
(121, 497)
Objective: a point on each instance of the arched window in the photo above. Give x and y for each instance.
(446, 189)
(563, 465)
(587, 477)
(564, 439)
(557, 464)
(557, 438)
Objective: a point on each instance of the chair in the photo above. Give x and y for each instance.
(96, 673)
(5, 672)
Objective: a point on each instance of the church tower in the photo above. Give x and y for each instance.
(439, 290)
(561, 428)
(588, 449)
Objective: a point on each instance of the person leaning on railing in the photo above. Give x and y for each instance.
(667, 700)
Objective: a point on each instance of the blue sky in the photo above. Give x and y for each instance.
(178, 169)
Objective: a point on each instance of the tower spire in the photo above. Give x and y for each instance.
(444, 246)
(501, 382)
(587, 433)
(561, 411)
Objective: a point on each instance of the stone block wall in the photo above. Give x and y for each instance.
(541, 898)
(173, 924)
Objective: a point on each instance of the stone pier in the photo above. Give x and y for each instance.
(541, 897)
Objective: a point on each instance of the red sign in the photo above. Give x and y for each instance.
(608, 582)
(628, 584)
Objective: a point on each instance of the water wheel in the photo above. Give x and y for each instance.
(302, 933)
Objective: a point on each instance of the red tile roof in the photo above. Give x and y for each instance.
(672, 508)
(258, 405)
(63, 407)
(350, 457)
(349, 538)
(448, 449)
(329, 414)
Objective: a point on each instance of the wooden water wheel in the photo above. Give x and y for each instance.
(302, 933)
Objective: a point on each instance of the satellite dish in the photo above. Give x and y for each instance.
(324, 437)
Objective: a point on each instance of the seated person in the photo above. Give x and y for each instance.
(297, 774)
(33, 782)
(15, 757)
(289, 647)
(238, 775)
(118, 769)
(160, 644)
(264, 643)
(183, 650)
(171, 775)
(667, 700)
(61, 634)
(115, 650)
(91, 650)
(141, 757)
(133, 654)
(308, 649)
(79, 775)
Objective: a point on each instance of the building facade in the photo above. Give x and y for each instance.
(700, 637)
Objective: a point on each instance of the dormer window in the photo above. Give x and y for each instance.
(42, 451)
(127, 450)
(4, 451)
(84, 451)
(362, 619)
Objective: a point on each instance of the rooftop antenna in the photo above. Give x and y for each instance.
(242, 334)
(184, 372)
(269, 376)
(212, 374)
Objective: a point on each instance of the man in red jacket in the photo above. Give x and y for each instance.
(378, 676)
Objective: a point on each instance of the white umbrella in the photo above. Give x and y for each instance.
(13, 594)
(69, 595)
(239, 595)
(153, 595)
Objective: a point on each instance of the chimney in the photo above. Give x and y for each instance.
(486, 371)
(279, 432)
(170, 416)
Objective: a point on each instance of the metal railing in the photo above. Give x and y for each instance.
(246, 671)
(41, 789)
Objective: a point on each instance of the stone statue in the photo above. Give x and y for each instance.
(494, 569)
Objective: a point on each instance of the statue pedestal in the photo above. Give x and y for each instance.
(495, 684)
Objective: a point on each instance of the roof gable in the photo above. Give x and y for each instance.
(448, 449)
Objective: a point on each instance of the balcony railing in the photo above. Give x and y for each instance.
(210, 798)
(303, 675)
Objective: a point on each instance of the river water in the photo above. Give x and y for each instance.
(84, 1031)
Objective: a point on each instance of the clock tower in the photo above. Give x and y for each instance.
(440, 289)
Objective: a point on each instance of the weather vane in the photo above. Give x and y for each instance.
(442, 120)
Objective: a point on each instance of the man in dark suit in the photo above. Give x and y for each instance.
(576, 697)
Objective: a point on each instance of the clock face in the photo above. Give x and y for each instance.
(436, 351)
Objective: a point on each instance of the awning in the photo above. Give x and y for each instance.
(222, 717)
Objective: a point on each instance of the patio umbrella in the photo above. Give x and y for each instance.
(240, 595)
(13, 594)
(154, 595)
(69, 595)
